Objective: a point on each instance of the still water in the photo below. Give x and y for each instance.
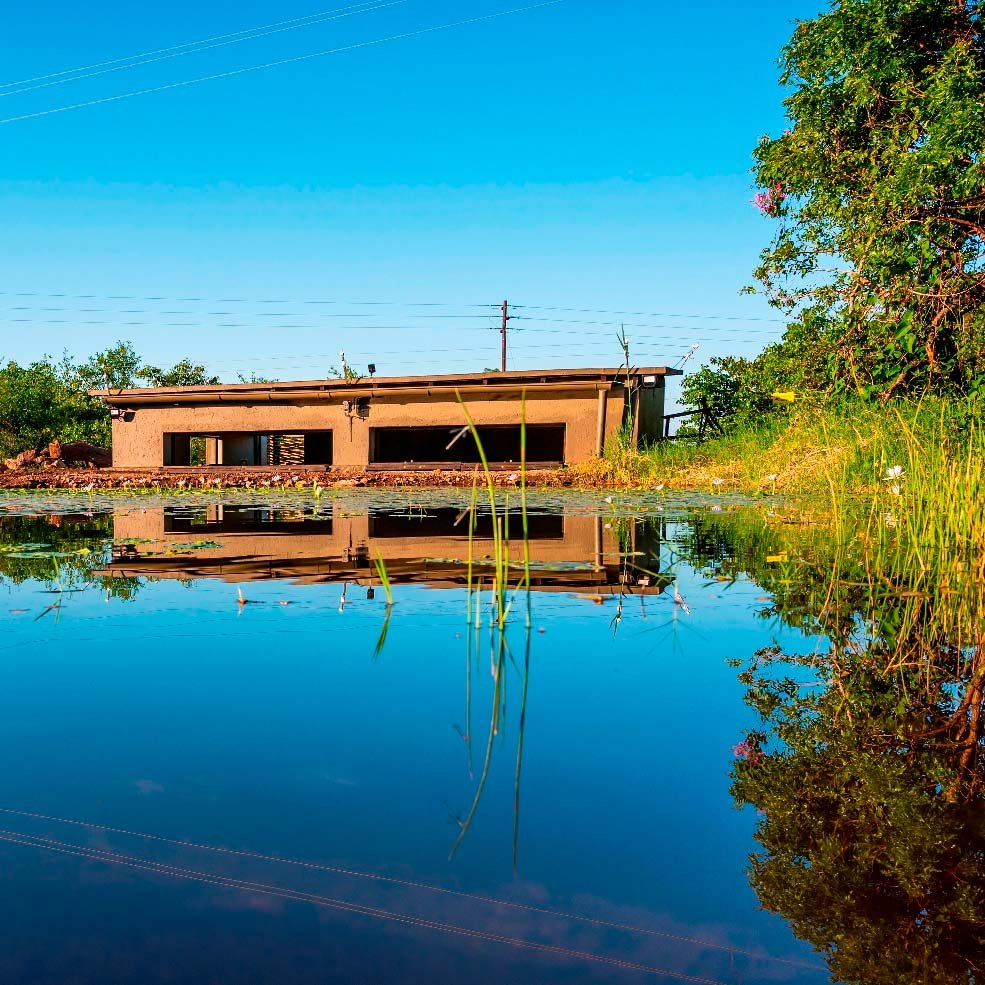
(226, 759)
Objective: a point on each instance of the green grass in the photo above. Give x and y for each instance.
(807, 449)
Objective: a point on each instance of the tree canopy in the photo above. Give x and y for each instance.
(50, 399)
(878, 187)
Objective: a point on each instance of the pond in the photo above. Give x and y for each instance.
(227, 757)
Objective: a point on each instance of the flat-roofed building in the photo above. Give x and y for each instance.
(396, 422)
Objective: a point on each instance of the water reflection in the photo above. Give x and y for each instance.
(271, 728)
(428, 545)
(868, 766)
(586, 555)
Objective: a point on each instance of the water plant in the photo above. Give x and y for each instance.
(384, 577)
(503, 597)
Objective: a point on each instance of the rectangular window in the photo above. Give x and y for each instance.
(455, 446)
(220, 518)
(445, 521)
(249, 449)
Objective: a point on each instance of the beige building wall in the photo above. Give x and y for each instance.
(591, 416)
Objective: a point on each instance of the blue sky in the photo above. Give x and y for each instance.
(592, 154)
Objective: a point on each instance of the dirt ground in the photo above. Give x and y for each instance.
(87, 479)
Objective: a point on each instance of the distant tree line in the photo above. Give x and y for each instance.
(49, 399)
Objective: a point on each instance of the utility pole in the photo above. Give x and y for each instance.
(506, 318)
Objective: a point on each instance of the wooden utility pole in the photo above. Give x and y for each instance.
(506, 318)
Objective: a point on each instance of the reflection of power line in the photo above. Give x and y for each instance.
(376, 877)
(355, 46)
(284, 892)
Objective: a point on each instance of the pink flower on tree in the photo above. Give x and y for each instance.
(748, 751)
(768, 202)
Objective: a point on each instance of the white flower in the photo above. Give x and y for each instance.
(659, 486)
(716, 509)
(276, 478)
(717, 482)
(894, 472)
(772, 477)
(895, 490)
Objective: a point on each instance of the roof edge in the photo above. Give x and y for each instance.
(513, 378)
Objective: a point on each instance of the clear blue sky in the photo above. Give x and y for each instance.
(593, 154)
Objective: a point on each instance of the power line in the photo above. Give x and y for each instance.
(158, 51)
(641, 314)
(223, 314)
(355, 328)
(284, 61)
(406, 352)
(494, 308)
(431, 316)
(316, 301)
(194, 47)
(621, 324)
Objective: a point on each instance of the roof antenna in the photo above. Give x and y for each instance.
(687, 355)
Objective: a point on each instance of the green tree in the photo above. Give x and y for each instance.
(735, 389)
(34, 405)
(878, 185)
(182, 373)
(47, 400)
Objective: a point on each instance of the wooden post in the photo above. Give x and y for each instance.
(600, 432)
(502, 330)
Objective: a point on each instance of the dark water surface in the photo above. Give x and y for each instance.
(199, 789)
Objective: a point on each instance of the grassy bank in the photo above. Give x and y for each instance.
(808, 451)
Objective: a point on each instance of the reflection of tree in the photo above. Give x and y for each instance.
(62, 551)
(872, 828)
(868, 768)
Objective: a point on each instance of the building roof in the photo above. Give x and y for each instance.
(513, 380)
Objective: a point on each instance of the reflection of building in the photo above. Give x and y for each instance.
(428, 545)
(394, 422)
